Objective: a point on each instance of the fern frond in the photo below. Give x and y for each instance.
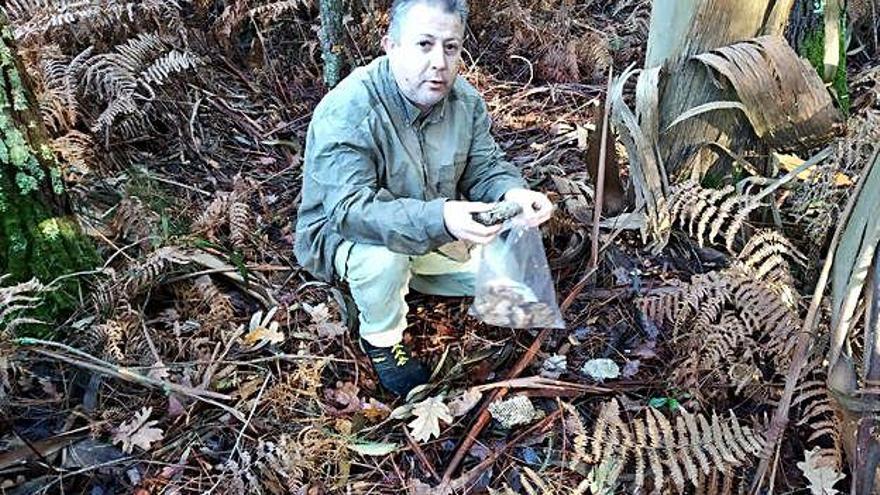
(77, 155)
(134, 222)
(720, 211)
(120, 105)
(694, 441)
(119, 338)
(15, 301)
(36, 19)
(145, 61)
(160, 70)
(57, 93)
(140, 277)
(662, 307)
(239, 224)
(579, 443)
(210, 219)
(274, 9)
(818, 413)
(220, 311)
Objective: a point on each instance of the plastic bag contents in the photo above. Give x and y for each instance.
(514, 288)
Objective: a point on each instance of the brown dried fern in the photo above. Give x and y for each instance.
(708, 213)
(696, 445)
(134, 222)
(56, 92)
(272, 10)
(77, 153)
(15, 301)
(139, 278)
(143, 62)
(818, 413)
(239, 225)
(119, 339)
(220, 311)
(210, 220)
(34, 20)
(738, 329)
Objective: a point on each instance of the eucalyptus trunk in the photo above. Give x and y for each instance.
(681, 29)
(37, 238)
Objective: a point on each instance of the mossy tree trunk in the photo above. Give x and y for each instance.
(37, 238)
(806, 34)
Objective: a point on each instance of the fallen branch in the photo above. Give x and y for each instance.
(420, 454)
(102, 367)
(484, 416)
(467, 478)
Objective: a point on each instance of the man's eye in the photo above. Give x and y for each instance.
(424, 44)
(451, 48)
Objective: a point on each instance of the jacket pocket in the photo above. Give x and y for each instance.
(450, 175)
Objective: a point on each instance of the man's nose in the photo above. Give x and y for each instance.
(438, 57)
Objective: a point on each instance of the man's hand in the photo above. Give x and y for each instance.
(460, 223)
(537, 207)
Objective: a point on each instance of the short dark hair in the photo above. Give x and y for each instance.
(399, 8)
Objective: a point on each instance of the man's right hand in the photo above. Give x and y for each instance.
(462, 226)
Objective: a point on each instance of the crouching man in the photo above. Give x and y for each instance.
(398, 157)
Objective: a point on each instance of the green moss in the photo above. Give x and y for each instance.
(813, 49)
(55, 180)
(35, 242)
(26, 183)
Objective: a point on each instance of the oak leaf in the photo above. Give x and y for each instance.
(138, 432)
(428, 415)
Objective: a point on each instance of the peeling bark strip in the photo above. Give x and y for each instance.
(639, 132)
(785, 100)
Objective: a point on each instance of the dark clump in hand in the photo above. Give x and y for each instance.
(502, 212)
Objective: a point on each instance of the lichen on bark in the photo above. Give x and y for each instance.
(37, 238)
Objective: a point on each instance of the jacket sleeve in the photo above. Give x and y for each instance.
(341, 160)
(487, 175)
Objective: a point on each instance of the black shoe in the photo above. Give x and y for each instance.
(398, 371)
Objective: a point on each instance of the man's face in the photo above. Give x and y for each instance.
(425, 59)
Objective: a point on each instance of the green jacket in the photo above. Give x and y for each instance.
(375, 172)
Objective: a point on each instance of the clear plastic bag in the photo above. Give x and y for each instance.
(514, 288)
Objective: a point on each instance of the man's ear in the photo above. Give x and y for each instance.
(387, 43)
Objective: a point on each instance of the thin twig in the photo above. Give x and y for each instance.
(467, 478)
(421, 455)
(102, 367)
(243, 428)
(600, 177)
(485, 416)
(540, 382)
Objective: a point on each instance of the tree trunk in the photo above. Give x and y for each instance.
(36, 238)
(806, 34)
(331, 40)
(681, 29)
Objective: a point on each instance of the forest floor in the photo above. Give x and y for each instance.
(204, 360)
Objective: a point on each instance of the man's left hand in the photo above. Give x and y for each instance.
(536, 206)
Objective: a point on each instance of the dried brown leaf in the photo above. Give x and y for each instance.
(138, 432)
(428, 415)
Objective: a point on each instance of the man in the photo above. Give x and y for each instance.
(398, 157)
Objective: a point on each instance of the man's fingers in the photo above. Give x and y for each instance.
(476, 207)
(478, 229)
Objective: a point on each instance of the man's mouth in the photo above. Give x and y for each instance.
(436, 83)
